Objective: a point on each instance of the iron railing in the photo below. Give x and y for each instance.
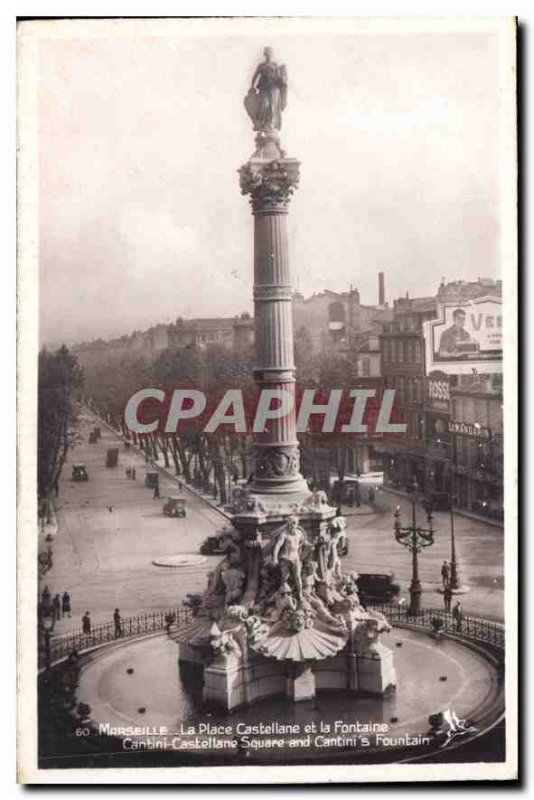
(62, 645)
(473, 628)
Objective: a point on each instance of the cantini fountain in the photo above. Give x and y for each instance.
(279, 616)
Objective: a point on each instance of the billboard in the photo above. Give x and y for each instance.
(438, 393)
(437, 428)
(465, 337)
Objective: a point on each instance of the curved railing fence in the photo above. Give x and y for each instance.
(63, 645)
(429, 619)
(476, 629)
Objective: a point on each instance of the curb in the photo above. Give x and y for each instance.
(460, 511)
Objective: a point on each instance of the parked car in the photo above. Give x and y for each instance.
(216, 545)
(174, 507)
(152, 480)
(436, 501)
(112, 457)
(377, 587)
(346, 491)
(79, 473)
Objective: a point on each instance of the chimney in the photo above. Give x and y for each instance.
(381, 289)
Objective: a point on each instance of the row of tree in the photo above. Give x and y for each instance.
(214, 461)
(211, 460)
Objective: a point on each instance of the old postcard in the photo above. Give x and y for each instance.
(267, 355)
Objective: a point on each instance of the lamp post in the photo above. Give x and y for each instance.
(47, 624)
(455, 585)
(414, 538)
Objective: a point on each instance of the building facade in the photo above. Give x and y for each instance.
(454, 443)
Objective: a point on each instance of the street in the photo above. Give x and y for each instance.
(103, 557)
(479, 554)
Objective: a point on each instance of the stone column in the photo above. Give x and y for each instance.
(269, 178)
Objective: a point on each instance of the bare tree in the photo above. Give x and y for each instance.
(60, 377)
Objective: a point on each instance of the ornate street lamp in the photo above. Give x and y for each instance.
(414, 538)
(48, 621)
(455, 586)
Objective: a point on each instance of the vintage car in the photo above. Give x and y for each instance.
(79, 473)
(436, 501)
(174, 507)
(216, 545)
(346, 491)
(152, 480)
(376, 587)
(112, 457)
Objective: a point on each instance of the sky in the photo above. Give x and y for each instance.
(140, 138)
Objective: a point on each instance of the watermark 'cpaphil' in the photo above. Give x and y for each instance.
(365, 411)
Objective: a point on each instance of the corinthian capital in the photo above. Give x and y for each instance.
(269, 184)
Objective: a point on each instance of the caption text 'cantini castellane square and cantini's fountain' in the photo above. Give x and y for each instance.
(278, 638)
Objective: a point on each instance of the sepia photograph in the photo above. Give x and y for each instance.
(267, 354)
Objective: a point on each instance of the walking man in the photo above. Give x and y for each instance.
(46, 598)
(457, 615)
(133, 473)
(445, 573)
(65, 604)
(56, 607)
(117, 622)
(86, 623)
(447, 597)
(156, 491)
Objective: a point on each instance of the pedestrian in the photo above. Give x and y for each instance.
(457, 615)
(445, 573)
(133, 473)
(170, 619)
(110, 509)
(156, 491)
(447, 597)
(65, 604)
(127, 472)
(56, 606)
(86, 623)
(46, 598)
(117, 622)
(371, 496)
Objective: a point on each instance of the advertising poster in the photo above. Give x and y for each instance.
(466, 336)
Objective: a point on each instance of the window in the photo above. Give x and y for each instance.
(336, 312)
(366, 370)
